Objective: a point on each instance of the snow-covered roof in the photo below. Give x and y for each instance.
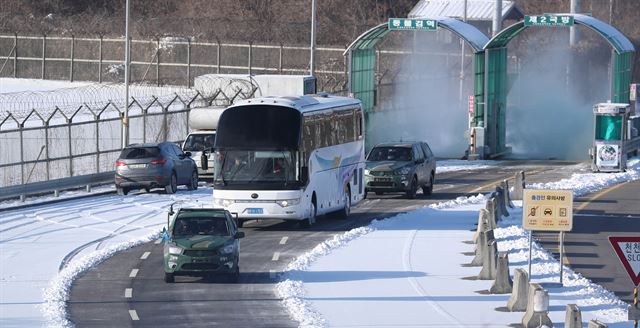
(477, 10)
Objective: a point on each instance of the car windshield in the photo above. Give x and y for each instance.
(139, 152)
(208, 226)
(199, 142)
(243, 166)
(390, 154)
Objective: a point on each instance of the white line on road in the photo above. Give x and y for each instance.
(272, 274)
(134, 315)
(134, 273)
(145, 255)
(158, 241)
(128, 292)
(283, 240)
(276, 256)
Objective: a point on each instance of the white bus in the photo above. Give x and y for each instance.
(290, 158)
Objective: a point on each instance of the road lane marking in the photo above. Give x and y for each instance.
(276, 256)
(145, 255)
(498, 181)
(134, 273)
(158, 241)
(134, 315)
(272, 274)
(128, 292)
(598, 195)
(283, 240)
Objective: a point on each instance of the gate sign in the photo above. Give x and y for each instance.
(628, 250)
(470, 104)
(412, 24)
(547, 210)
(548, 20)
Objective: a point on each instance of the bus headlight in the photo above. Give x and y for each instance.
(288, 202)
(223, 202)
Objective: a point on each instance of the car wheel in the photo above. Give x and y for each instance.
(413, 188)
(147, 190)
(428, 190)
(122, 191)
(240, 223)
(169, 278)
(344, 213)
(172, 186)
(193, 184)
(235, 276)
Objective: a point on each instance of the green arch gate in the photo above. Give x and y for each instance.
(494, 110)
(362, 57)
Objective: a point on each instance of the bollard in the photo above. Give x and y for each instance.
(482, 225)
(23, 198)
(490, 257)
(481, 247)
(56, 193)
(537, 307)
(501, 202)
(518, 300)
(573, 317)
(518, 187)
(490, 206)
(507, 198)
(503, 283)
(594, 323)
(88, 188)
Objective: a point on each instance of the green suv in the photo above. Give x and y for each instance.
(400, 167)
(201, 242)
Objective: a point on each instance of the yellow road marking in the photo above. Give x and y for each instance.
(598, 195)
(494, 182)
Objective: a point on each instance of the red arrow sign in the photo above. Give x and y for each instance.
(628, 250)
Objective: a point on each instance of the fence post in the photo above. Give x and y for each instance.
(100, 60)
(70, 150)
(44, 56)
(165, 123)
(46, 150)
(158, 63)
(73, 42)
(188, 62)
(97, 118)
(15, 55)
(144, 125)
(219, 54)
(21, 126)
(250, 53)
(280, 59)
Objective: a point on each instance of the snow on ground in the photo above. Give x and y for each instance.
(36, 241)
(9, 85)
(408, 271)
(64, 195)
(449, 165)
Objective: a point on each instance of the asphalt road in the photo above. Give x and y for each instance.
(128, 289)
(614, 211)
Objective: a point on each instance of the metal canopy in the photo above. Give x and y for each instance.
(616, 39)
(477, 10)
(469, 33)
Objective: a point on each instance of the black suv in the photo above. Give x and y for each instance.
(400, 167)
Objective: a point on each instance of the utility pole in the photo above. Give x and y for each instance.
(497, 18)
(575, 7)
(125, 118)
(464, 19)
(312, 61)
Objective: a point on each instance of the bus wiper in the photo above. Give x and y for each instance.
(286, 170)
(224, 159)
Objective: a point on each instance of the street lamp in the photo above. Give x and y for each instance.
(125, 118)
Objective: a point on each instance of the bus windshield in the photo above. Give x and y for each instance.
(255, 167)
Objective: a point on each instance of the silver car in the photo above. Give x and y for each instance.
(155, 165)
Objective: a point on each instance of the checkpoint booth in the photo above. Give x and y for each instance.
(615, 137)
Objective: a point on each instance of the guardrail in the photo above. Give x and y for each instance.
(55, 186)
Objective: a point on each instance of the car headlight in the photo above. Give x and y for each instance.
(288, 202)
(403, 171)
(177, 250)
(228, 249)
(223, 202)
(366, 172)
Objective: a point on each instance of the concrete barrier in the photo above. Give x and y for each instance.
(500, 196)
(536, 314)
(482, 224)
(489, 260)
(594, 323)
(573, 317)
(490, 206)
(481, 247)
(503, 283)
(507, 198)
(518, 186)
(518, 300)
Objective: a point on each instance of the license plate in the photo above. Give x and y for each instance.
(254, 210)
(382, 179)
(137, 166)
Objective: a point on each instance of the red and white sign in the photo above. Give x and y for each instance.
(628, 250)
(470, 104)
